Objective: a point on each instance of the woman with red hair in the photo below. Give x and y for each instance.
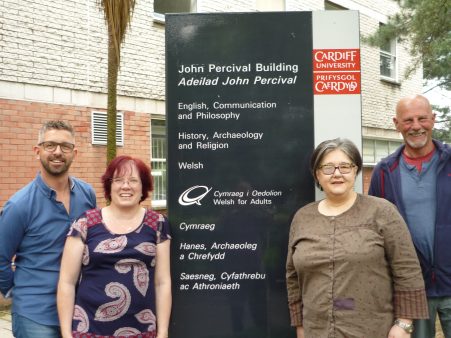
(115, 273)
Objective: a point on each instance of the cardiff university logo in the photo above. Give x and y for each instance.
(184, 199)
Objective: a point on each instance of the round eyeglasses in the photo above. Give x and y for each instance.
(50, 146)
(329, 168)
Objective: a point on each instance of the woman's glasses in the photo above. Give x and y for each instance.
(329, 168)
(120, 181)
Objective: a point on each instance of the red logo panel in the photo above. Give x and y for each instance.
(336, 71)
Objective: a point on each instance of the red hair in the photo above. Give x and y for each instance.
(119, 165)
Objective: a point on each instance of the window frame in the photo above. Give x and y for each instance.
(156, 171)
(159, 16)
(391, 145)
(390, 54)
(332, 6)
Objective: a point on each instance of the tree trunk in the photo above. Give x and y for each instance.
(113, 69)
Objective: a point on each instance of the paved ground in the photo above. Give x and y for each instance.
(5, 324)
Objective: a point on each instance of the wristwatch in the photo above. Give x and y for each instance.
(405, 326)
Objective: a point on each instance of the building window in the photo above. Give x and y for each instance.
(328, 5)
(388, 60)
(158, 162)
(374, 150)
(99, 128)
(161, 7)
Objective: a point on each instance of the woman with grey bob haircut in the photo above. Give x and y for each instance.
(352, 270)
(325, 147)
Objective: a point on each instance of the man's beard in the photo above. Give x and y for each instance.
(59, 171)
(417, 144)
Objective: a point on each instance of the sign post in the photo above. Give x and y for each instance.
(240, 116)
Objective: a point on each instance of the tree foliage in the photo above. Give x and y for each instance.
(426, 24)
(117, 15)
(443, 124)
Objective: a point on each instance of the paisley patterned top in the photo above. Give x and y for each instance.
(116, 295)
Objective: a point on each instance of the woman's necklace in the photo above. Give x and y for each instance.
(127, 229)
(123, 224)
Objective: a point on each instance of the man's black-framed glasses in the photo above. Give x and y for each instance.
(329, 168)
(50, 146)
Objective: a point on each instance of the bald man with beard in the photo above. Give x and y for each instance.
(417, 179)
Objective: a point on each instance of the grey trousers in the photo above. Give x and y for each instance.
(425, 328)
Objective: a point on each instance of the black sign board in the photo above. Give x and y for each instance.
(240, 134)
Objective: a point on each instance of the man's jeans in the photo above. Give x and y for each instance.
(425, 328)
(26, 328)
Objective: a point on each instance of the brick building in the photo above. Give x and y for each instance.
(53, 65)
